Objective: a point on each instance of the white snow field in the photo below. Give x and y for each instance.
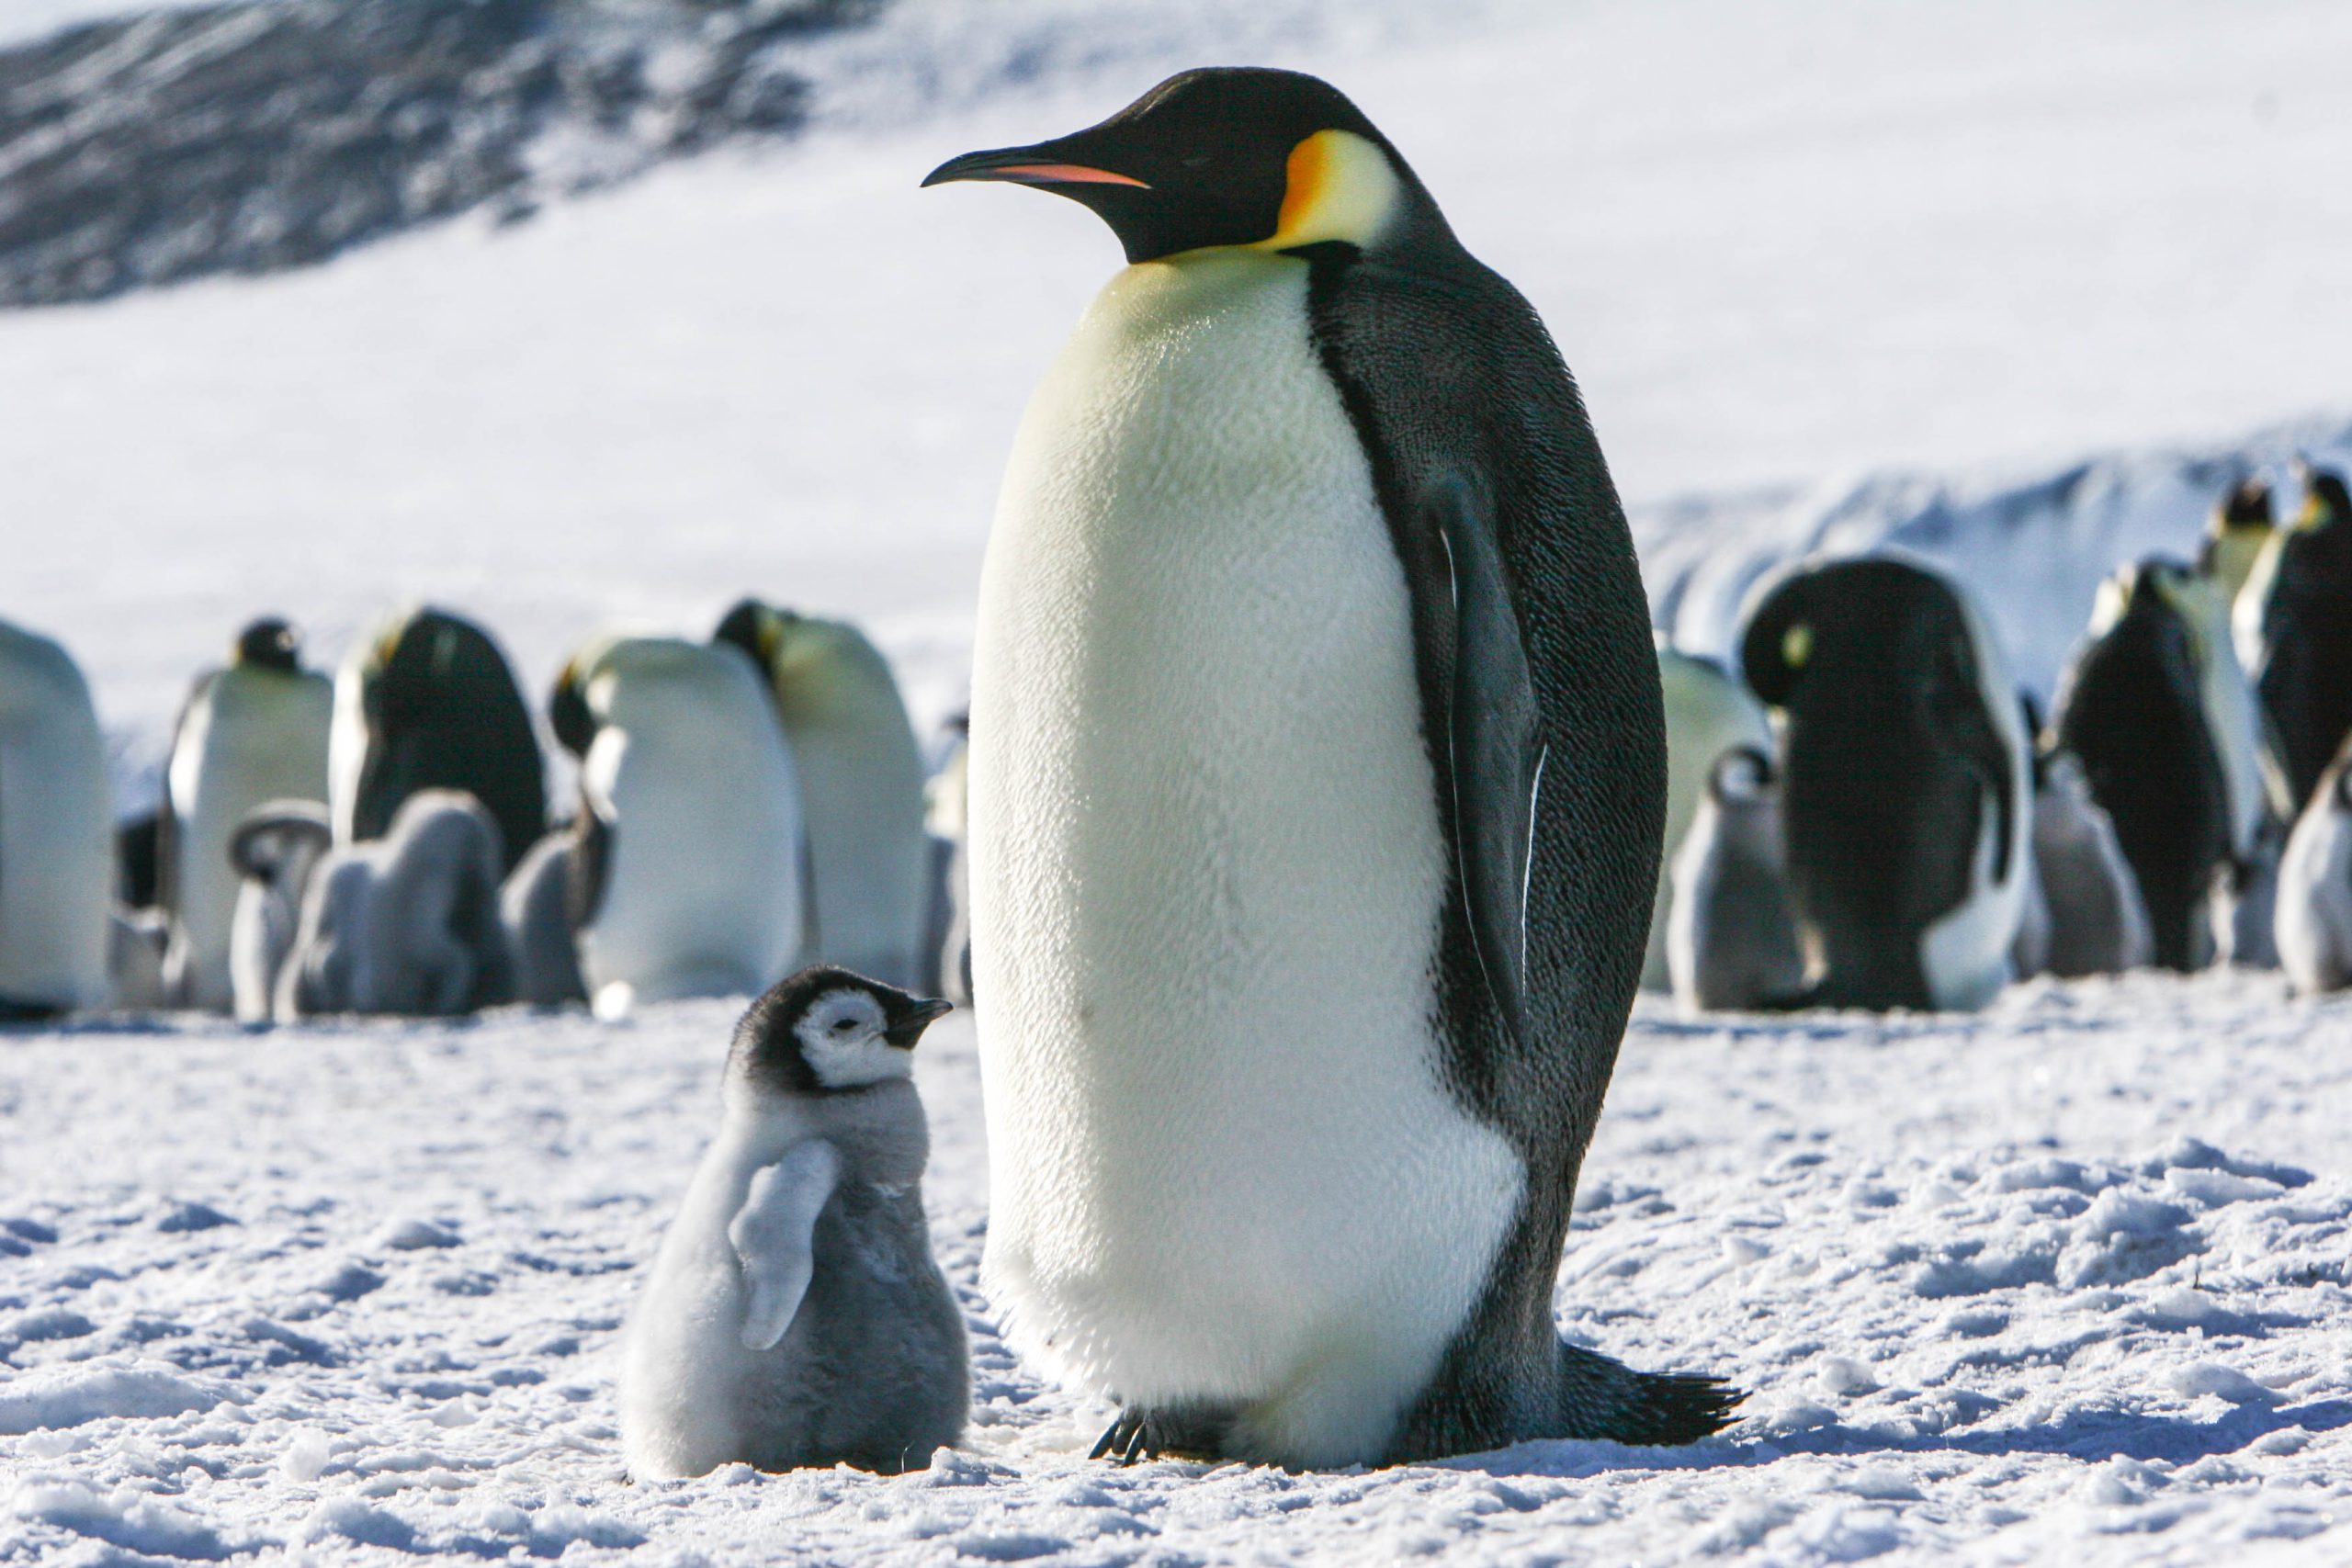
(2017, 283)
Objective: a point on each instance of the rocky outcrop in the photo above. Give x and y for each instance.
(260, 134)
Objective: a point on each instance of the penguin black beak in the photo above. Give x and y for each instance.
(918, 1017)
(1043, 164)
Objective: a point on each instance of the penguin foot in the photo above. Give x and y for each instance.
(1161, 1434)
(1602, 1398)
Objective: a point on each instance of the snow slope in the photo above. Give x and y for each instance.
(2058, 1282)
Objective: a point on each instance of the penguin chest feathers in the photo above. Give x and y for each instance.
(1208, 879)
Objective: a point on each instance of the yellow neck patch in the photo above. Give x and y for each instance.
(1340, 187)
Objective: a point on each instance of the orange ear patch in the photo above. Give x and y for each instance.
(1338, 186)
(1304, 176)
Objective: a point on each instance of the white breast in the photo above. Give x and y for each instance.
(1206, 874)
(257, 735)
(702, 893)
(2314, 914)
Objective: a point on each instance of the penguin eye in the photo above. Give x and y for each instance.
(843, 1025)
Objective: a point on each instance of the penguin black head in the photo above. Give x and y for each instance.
(2325, 501)
(2247, 506)
(268, 644)
(568, 715)
(1225, 156)
(827, 1030)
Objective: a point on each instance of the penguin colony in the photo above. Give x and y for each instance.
(2180, 808)
(379, 842)
(1302, 407)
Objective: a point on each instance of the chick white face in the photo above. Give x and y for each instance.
(841, 1038)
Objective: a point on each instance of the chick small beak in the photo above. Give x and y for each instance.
(1026, 165)
(917, 1018)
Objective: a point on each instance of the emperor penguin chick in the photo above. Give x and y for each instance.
(1731, 939)
(795, 1316)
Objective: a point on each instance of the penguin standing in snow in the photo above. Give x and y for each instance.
(2098, 924)
(275, 849)
(2314, 918)
(2242, 525)
(861, 787)
(2295, 627)
(1904, 799)
(795, 1316)
(535, 905)
(56, 839)
(686, 872)
(1732, 941)
(406, 924)
(1708, 713)
(429, 703)
(253, 732)
(2165, 736)
(1317, 784)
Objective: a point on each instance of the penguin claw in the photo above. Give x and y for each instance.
(1137, 1436)
(1120, 1441)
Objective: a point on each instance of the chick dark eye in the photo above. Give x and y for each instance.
(843, 1025)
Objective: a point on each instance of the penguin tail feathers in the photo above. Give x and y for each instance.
(1601, 1398)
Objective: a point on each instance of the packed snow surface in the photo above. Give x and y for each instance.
(2064, 1280)
(2023, 285)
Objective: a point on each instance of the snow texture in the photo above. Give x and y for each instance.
(2056, 1280)
(2061, 1280)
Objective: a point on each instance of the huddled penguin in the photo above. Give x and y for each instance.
(2241, 526)
(253, 733)
(1731, 940)
(795, 1316)
(429, 703)
(2153, 707)
(2314, 921)
(1316, 784)
(537, 906)
(406, 924)
(861, 788)
(1708, 713)
(688, 861)
(2098, 924)
(1903, 800)
(2295, 629)
(275, 849)
(56, 833)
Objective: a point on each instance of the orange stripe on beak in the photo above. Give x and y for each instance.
(1063, 175)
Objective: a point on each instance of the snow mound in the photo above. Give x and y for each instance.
(74, 1395)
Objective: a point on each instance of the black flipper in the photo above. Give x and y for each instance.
(1494, 751)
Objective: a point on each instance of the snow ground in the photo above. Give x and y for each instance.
(2064, 1280)
(2046, 1283)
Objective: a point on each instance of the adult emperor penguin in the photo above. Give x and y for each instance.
(1317, 779)
(1708, 713)
(861, 787)
(2315, 886)
(2242, 524)
(1732, 941)
(253, 733)
(1905, 801)
(56, 838)
(429, 703)
(795, 1315)
(688, 865)
(2155, 707)
(2295, 627)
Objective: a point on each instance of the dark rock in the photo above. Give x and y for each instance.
(259, 134)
